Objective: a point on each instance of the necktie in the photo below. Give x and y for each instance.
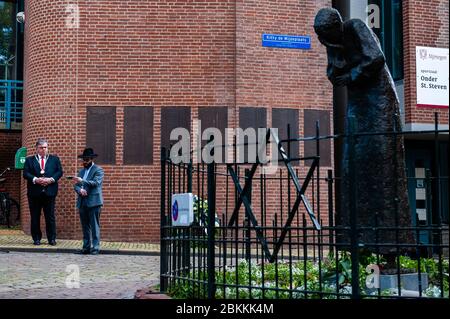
(42, 163)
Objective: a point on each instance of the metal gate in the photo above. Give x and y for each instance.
(258, 235)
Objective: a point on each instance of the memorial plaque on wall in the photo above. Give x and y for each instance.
(281, 118)
(214, 117)
(310, 118)
(171, 118)
(252, 117)
(101, 133)
(138, 135)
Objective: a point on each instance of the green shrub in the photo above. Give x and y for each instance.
(282, 280)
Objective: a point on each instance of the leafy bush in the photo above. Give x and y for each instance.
(201, 213)
(302, 279)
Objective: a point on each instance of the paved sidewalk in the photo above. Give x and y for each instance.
(17, 240)
(25, 275)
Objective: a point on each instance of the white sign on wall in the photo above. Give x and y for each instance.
(432, 77)
(182, 209)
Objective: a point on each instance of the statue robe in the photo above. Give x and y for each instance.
(380, 176)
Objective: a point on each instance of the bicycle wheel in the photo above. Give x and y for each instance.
(14, 212)
(4, 212)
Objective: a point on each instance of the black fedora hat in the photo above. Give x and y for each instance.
(88, 153)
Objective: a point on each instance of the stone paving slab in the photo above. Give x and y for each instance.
(17, 240)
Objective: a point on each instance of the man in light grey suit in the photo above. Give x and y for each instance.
(88, 186)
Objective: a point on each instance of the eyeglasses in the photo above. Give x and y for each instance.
(87, 159)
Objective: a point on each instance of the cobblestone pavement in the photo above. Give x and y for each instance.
(26, 275)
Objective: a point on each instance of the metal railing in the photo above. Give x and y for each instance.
(277, 236)
(11, 104)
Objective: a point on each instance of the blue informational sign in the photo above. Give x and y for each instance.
(286, 41)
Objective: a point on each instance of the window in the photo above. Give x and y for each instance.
(101, 133)
(138, 135)
(11, 65)
(8, 39)
(390, 34)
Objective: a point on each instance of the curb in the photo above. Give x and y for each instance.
(73, 251)
(150, 293)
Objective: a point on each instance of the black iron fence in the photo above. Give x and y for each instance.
(281, 235)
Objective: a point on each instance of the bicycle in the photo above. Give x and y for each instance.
(9, 207)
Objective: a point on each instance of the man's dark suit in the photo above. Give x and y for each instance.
(90, 206)
(40, 197)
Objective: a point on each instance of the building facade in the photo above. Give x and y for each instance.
(118, 76)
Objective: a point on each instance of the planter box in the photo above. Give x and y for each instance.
(409, 282)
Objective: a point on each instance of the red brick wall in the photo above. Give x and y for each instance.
(10, 141)
(425, 24)
(157, 53)
(274, 77)
(125, 53)
(50, 98)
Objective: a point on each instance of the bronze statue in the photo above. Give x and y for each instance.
(355, 60)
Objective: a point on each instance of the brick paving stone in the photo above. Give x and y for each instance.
(17, 240)
(26, 275)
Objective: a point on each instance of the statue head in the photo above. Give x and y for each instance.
(328, 25)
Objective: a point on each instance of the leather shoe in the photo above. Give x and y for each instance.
(83, 252)
(37, 242)
(52, 242)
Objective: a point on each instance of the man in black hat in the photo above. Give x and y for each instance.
(42, 172)
(88, 186)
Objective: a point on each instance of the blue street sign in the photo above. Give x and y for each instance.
(286, 41)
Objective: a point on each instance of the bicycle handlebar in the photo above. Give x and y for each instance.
(7, 169)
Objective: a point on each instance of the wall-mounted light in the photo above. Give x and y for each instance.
(20, 17)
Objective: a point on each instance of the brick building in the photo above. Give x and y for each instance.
(119, 75)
